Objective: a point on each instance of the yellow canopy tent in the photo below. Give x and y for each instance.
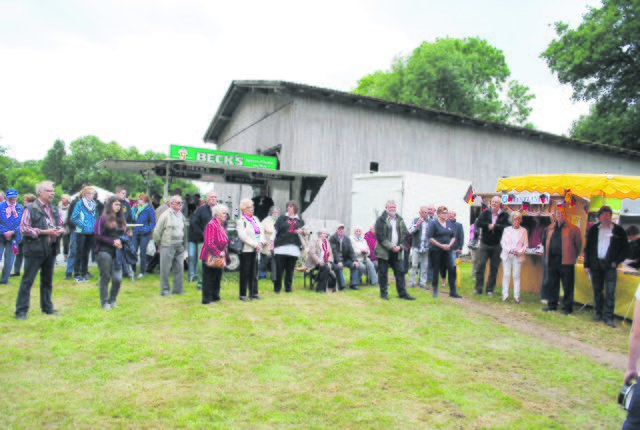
(580, 184)
(585, 185)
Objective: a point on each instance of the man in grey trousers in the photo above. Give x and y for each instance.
(169, 236)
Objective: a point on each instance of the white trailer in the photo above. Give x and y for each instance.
(410, 190)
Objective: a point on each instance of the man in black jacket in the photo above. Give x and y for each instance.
(606, 247)
(41, 227)
(198, 221)
(121, 193)
(344, 256)
(492, 222)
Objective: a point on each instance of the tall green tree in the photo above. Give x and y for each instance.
(53, 164)
(5, 167)
(600, 59)
(465, 76)
(86, 152)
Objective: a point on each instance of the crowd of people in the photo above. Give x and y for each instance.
(121, 234)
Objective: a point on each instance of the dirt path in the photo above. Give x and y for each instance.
(523, 322)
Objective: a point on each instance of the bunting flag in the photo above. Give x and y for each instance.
(470, 195)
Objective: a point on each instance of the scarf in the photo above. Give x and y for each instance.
(256, 229)
(325, 250)
(292, 224)
(140, 209)
(220, 238)
(89, 204)
(11, 210)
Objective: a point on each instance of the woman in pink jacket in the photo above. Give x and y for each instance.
(514, 243)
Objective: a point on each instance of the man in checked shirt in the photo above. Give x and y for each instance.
(41, 226)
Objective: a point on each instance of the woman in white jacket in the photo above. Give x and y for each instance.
(250, 232)
(515, 242)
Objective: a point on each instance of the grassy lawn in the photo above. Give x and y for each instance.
(301, 360)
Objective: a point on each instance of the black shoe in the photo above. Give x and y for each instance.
(565, 312)
(68, 277)
(596, 317)
(455, 296)
(341, 288)
(4, 282)
(354, 287)
(244, 299)
(384, 297)
(53, 312)
(407, 297)
(288, 291)
(610, 323)
(15, 274)
(277, 292)
(256, 297)
(548, 309)
(21, 317)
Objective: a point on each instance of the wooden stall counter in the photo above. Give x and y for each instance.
(625, 291)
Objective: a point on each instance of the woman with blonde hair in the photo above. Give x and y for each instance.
(267, 262)
(514, 242)
(250, 233)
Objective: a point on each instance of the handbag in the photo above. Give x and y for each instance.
(151, 248)
(215, 261)
(236, 245)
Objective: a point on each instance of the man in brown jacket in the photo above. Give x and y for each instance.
(564, 245)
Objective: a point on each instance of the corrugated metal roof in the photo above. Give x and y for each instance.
(238, 89)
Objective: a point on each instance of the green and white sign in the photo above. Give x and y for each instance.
(222, 158)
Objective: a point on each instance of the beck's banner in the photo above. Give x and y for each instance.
(222, 158)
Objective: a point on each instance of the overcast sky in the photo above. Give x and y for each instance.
(149, 73)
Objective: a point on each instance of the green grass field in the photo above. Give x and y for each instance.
(301, 360)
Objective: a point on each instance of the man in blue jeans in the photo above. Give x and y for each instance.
(344, 256)
(10, 216)
(198, 221)
(71, 226)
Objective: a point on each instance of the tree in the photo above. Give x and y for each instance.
(5, 166)
(86, 152)
(600, 60)
(464, 76)
(53, 165)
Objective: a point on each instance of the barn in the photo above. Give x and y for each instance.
(338, 134)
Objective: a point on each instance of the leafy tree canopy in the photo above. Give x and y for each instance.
(71, 167)
(600, 59)
(465, 76)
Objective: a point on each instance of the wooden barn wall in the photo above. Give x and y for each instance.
(340, 139)
(261, 121)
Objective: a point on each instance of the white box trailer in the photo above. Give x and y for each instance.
(410, 190)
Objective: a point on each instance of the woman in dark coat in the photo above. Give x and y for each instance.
(286, 246)
(107, 231)
(442, 237)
